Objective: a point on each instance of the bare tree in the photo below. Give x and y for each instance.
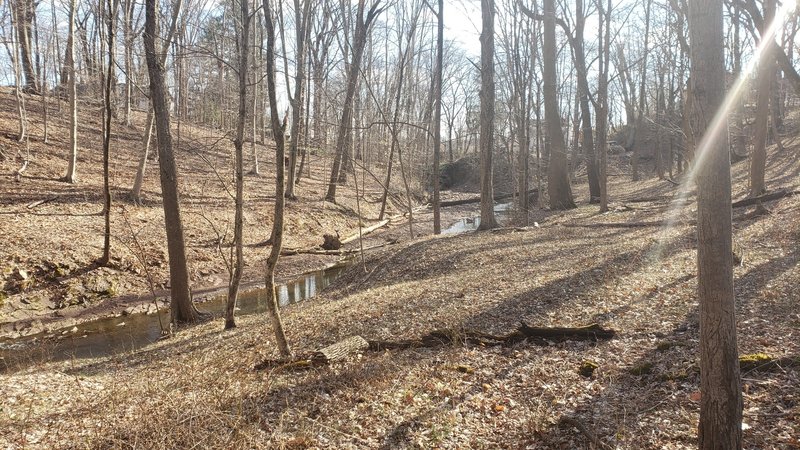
(558, 187)
(601, 112)
(766, 73)
(437, 118)
(277, 224)
(720, 385)
(243, 50)
(69, 64)
(302, 16)
(362, 27)
(488, 220)
(181, 307)
(110, 17)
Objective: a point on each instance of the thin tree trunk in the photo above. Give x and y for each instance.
(69, 63)
(766, 71)
(363, 24)
(243, 35)
(639, 139)
(111, 12)
(437, 119)
(277, 224)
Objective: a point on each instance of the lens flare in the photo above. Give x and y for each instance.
(719, 123)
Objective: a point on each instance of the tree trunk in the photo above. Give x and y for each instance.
(721, 401)
(487, 96)
(69, 63)
(277, 224)
(437, 119)
(181, 308)
(25, 11)
(111, 13)
(363, 24)
(602, 99)
(766, 71)
(243, 38)
(558, 186)
(301, 18)
(638, 140)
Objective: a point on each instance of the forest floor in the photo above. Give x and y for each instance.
(200, 387)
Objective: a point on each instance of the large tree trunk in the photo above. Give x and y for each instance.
(583, 94)
(558, 186)
(181, 308)
(487, 95)
(25, 11)
(720, 385)
(277, 224)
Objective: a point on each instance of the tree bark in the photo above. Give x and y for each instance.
(721, 402)
(277, 224)
(437, 119)
(111, 13)
(766, 72)
(487, 96)
(558, 187)
(69, 64)
(181, 307)
(243, 50)
(363, 24)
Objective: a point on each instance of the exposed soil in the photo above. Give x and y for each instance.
(199, 388)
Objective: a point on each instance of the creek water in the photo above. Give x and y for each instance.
(465, 224)
(114, 335)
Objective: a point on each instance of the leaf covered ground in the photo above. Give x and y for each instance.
(199, 387)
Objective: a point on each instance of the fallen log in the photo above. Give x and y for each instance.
(320, 251)
(340, 350)
(32, 205)
(615, 224)
(537, 335)
(478, 199)
(365, 231)
(764, 198)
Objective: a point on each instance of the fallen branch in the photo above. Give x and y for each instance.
(573, 422)
(320, 251)
(478, 199)
(32, 205)
(365, 231)
(538, 335)
(615, 224)
(18, 173)
(764, 198)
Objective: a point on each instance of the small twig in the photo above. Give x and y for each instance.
(573, 422)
